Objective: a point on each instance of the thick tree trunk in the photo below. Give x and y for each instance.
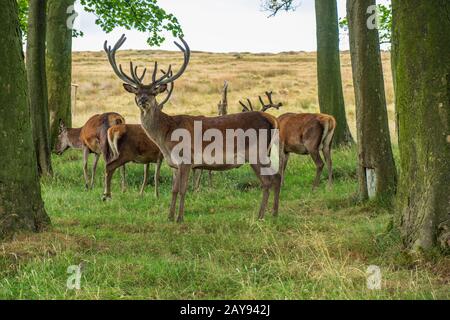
(331, 96)
(37, 84)
(377, 173)
(59, 65)
(422, 72)
(21, 206)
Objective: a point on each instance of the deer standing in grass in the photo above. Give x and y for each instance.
(303, 133)
(130, 143)
(91, 138)
(161, 127)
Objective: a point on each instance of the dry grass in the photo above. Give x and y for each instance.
(292, 77)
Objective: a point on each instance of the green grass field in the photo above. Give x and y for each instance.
(319, 248)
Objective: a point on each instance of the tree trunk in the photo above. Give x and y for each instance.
(21, 206)
(331, 96)
(377, 173)
(422, 70)
(37, 84)
(59, 65)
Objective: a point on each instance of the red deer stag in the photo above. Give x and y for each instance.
(303, 133)
(91, 138)
(130, 143)
(166, 131)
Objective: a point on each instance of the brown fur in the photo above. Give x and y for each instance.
(130, 143)
(307, 133)
(93, 139)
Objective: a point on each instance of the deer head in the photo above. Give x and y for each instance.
(63, 141)
(145, 94)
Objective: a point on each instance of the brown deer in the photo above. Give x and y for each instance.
(162, 128)
(130, 143)
(303, 133)
(91, 138)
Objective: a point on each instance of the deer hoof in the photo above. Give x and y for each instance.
(106, 198)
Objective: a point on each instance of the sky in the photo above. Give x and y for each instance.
(220, 26)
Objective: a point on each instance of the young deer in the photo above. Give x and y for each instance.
(130, 143)
(303, 133)
(91, 138)
(161, 127)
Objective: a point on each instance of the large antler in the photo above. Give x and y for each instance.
(135, 80)
(266, 107)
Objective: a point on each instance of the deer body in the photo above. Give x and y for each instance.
(91, 138)
(130, 143)
(304, 134)
(307, 133)
(160, 128)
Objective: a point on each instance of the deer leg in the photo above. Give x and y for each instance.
(329, 162)
(110, 169)
(94, 169)
(276, 181)
(157, 175)
(184, 183)
(197, 177)
(175, 191)
(284, 163)
(266, 184)
(145, 181)
(315, 155)
(123, 172)
(85, 166)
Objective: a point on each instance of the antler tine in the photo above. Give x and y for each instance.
(142, 76)
(155, 72)
(170, 90)
(111, 53)
(134, 73)
(269, 95)
(250, 104)
(264, 106)
(244, 106)
(187, 56)
(166, 75)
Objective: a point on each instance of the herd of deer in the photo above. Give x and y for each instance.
(120, 143)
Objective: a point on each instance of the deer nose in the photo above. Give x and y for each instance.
(143, 100)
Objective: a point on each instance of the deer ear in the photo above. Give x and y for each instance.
(62, 126)
(130, 88)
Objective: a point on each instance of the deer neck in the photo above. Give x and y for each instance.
(74, 138)
(158, 126)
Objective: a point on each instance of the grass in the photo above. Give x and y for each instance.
(319, 248)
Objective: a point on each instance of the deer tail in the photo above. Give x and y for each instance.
(114, 135)
(329, 126)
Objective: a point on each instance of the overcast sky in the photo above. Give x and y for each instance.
(221, 26)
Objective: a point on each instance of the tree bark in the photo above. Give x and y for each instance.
(331, 96)
(422, 71)
(59, 65)
(21, 206)
(37, 84)
(376, 160)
